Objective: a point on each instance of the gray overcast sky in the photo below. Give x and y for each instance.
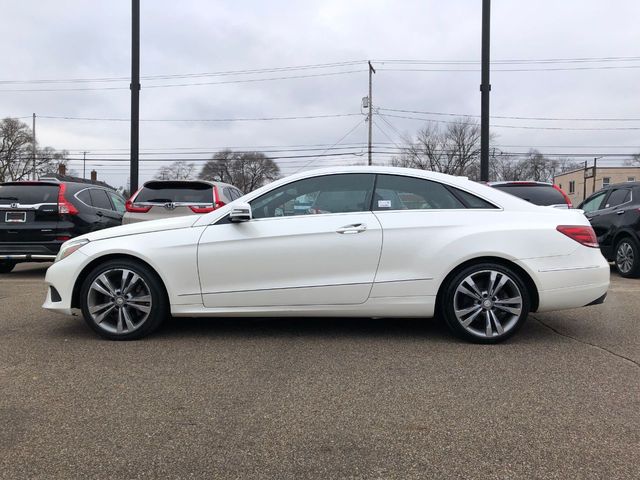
(82, 39)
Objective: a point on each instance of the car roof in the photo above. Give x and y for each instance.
(187, 182)
(621, 184)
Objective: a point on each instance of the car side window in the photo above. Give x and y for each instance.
(592, 204)
(226, 191)
(395, 192)
(470, 200)
(349, 192)
(99, 199)
(618, 197)
(85, 197)
(118, 202)
(238, 193)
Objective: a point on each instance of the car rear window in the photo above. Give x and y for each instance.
(28, 194)
(536, 194)
(163, 192)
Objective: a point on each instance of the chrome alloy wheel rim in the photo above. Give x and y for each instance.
(487, 303)
(119, 301)
(625, 257)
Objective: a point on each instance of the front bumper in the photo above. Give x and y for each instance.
(29, 252)
(62, 276)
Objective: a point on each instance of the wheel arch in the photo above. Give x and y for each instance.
(626, 232)
(77, 286)
(526, 278)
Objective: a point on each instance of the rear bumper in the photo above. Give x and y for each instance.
(29, 252)
(28, 257)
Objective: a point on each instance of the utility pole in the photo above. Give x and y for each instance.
(595, 173)
(584, 191)
(84, 164)
(485, 88)
(135, 93)
(33, 147)
(371, 72)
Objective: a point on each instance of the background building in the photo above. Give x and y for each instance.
(573, 181)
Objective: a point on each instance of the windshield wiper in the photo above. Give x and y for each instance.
(158, 200)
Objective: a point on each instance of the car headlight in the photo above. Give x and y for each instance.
(69, 247)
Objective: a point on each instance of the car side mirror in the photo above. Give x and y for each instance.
(241, 212)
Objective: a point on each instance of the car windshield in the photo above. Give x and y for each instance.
(536, 194)
(28, 194)
(188, 192)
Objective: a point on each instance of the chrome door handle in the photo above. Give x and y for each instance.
(620, 212)
(351, 229)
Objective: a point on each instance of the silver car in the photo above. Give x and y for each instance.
(169, 198)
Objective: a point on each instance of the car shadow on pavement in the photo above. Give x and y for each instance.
(433, 329)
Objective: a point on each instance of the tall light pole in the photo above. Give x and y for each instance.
(485, 88)
(371, 72)
(135, 93)
(33, 147)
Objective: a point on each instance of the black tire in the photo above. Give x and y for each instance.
(502, 323)
(6, 266)
(627, 257)
(148, 285)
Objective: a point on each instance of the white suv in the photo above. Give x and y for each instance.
(169, 198)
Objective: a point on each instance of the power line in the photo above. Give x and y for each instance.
(211, 120)
(525, 127)
(193, 84)
(576, 119)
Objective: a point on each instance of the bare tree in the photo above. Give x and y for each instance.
(635, 160)
(176, 171)
(16, 153)
(453, 148)
(245, 170)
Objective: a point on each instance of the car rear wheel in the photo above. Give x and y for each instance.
(6, 266)
(485, 303)
(123, 300)
(628, 257)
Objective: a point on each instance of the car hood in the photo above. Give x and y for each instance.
(143, 227)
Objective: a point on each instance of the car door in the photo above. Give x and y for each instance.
(108, 216)
(282, 257)
(119, 205)
(593, 209)
(610, 217)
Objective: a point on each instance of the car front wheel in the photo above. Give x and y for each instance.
(485, 303)
(123, 300)
(628, 257)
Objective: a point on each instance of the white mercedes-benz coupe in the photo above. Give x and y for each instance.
(351, 241)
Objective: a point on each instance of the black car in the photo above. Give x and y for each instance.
(614, 213)
(37, 217)
(538, 193)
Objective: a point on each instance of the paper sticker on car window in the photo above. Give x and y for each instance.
(384, 203)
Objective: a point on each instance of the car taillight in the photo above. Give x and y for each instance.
(217, 203)
(581, 234)
(134, 208)
(63, 238)
(197, 209)
(64, 205)
(566, 198)
(131, 206)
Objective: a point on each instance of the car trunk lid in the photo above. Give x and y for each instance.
(28, 212)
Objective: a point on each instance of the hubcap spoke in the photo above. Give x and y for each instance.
(97, 308)
(471, 318)
(496, 322)
(104, 314)
(501, 284)
(515, 311)
(469, 293)
(508, 301)
(127, 318)
(488, 329)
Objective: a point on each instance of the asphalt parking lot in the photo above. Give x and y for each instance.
(318, 398)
